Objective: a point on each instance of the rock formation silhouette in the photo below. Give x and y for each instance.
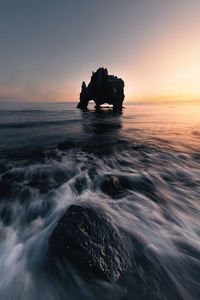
(103, 88)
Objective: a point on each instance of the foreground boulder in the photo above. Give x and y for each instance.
(88, 238)
(103, 88)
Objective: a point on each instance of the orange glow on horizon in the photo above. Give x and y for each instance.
(167, 67)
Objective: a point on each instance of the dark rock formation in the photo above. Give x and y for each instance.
(103, 88)
(115, 186)
(88, 238)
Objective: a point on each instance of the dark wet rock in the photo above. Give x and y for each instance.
(88, 238)
(103, 88)
(115, 186)
(118, 186)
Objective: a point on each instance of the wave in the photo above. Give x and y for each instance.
(146, 180)
(154, 201)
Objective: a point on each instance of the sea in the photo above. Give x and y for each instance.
(53, 155)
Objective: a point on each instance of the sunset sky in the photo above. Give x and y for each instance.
(48, 47)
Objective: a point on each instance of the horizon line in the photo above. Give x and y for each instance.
(135, 100)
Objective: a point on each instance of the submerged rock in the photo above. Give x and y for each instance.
(114, 186)
(103, 88)
(88, 238)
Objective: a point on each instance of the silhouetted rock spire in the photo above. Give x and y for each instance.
(103, 88)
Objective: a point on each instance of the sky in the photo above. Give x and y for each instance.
(48, 47)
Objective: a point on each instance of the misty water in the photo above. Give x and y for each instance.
(53, 155)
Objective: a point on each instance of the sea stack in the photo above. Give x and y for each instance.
(103, 88)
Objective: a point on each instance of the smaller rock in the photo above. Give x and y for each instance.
(115, 186)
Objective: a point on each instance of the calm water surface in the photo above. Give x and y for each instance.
(152, 150)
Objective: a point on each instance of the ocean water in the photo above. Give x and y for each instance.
(53, 155)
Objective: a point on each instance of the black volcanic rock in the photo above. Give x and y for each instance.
(88, 238)
(103, 88)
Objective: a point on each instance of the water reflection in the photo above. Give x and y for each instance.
(101, 131)
(104, 121)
